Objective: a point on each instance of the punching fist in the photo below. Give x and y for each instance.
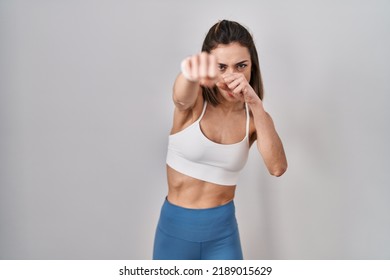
(200, 68)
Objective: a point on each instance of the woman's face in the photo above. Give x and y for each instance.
(233, 58)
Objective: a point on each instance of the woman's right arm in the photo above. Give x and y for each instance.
(185, 93)
(197, 70)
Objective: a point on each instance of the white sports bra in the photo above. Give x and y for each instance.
(190, 152)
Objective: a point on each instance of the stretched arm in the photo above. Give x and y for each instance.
(185, 93)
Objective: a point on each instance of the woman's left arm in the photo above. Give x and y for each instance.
(268, 141)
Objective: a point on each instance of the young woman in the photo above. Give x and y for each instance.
(218, 115)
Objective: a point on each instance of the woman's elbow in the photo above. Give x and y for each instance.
(278, 171)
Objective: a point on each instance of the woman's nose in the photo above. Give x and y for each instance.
(231, 70)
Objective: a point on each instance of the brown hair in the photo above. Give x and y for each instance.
(226, 32)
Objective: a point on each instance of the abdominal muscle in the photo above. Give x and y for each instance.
(189, 192)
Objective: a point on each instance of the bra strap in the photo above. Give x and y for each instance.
(204, 110)
(247, 119)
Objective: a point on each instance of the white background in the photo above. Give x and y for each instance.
(85, 111)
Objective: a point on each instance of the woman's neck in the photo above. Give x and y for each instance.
(230, 107)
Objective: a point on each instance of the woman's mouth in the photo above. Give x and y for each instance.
(230, 94)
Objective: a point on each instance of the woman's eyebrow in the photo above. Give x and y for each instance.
(241, 62)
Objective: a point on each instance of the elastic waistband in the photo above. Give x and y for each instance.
(198, 225)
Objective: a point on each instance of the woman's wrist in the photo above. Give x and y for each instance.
(187, 82)
(256, 106)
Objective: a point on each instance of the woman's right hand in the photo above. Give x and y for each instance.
(201, 68)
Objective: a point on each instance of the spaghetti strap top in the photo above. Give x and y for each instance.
(191, 153)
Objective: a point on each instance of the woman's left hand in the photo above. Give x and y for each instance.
(238, 85)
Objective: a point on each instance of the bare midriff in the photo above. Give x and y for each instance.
(189, 192)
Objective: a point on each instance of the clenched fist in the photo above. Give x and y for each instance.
(201, 68)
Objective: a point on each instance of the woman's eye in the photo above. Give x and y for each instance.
(222, 67)
(241, 66)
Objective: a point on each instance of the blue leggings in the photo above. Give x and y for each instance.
(197, 234)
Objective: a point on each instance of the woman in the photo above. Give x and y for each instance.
(218, 115)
